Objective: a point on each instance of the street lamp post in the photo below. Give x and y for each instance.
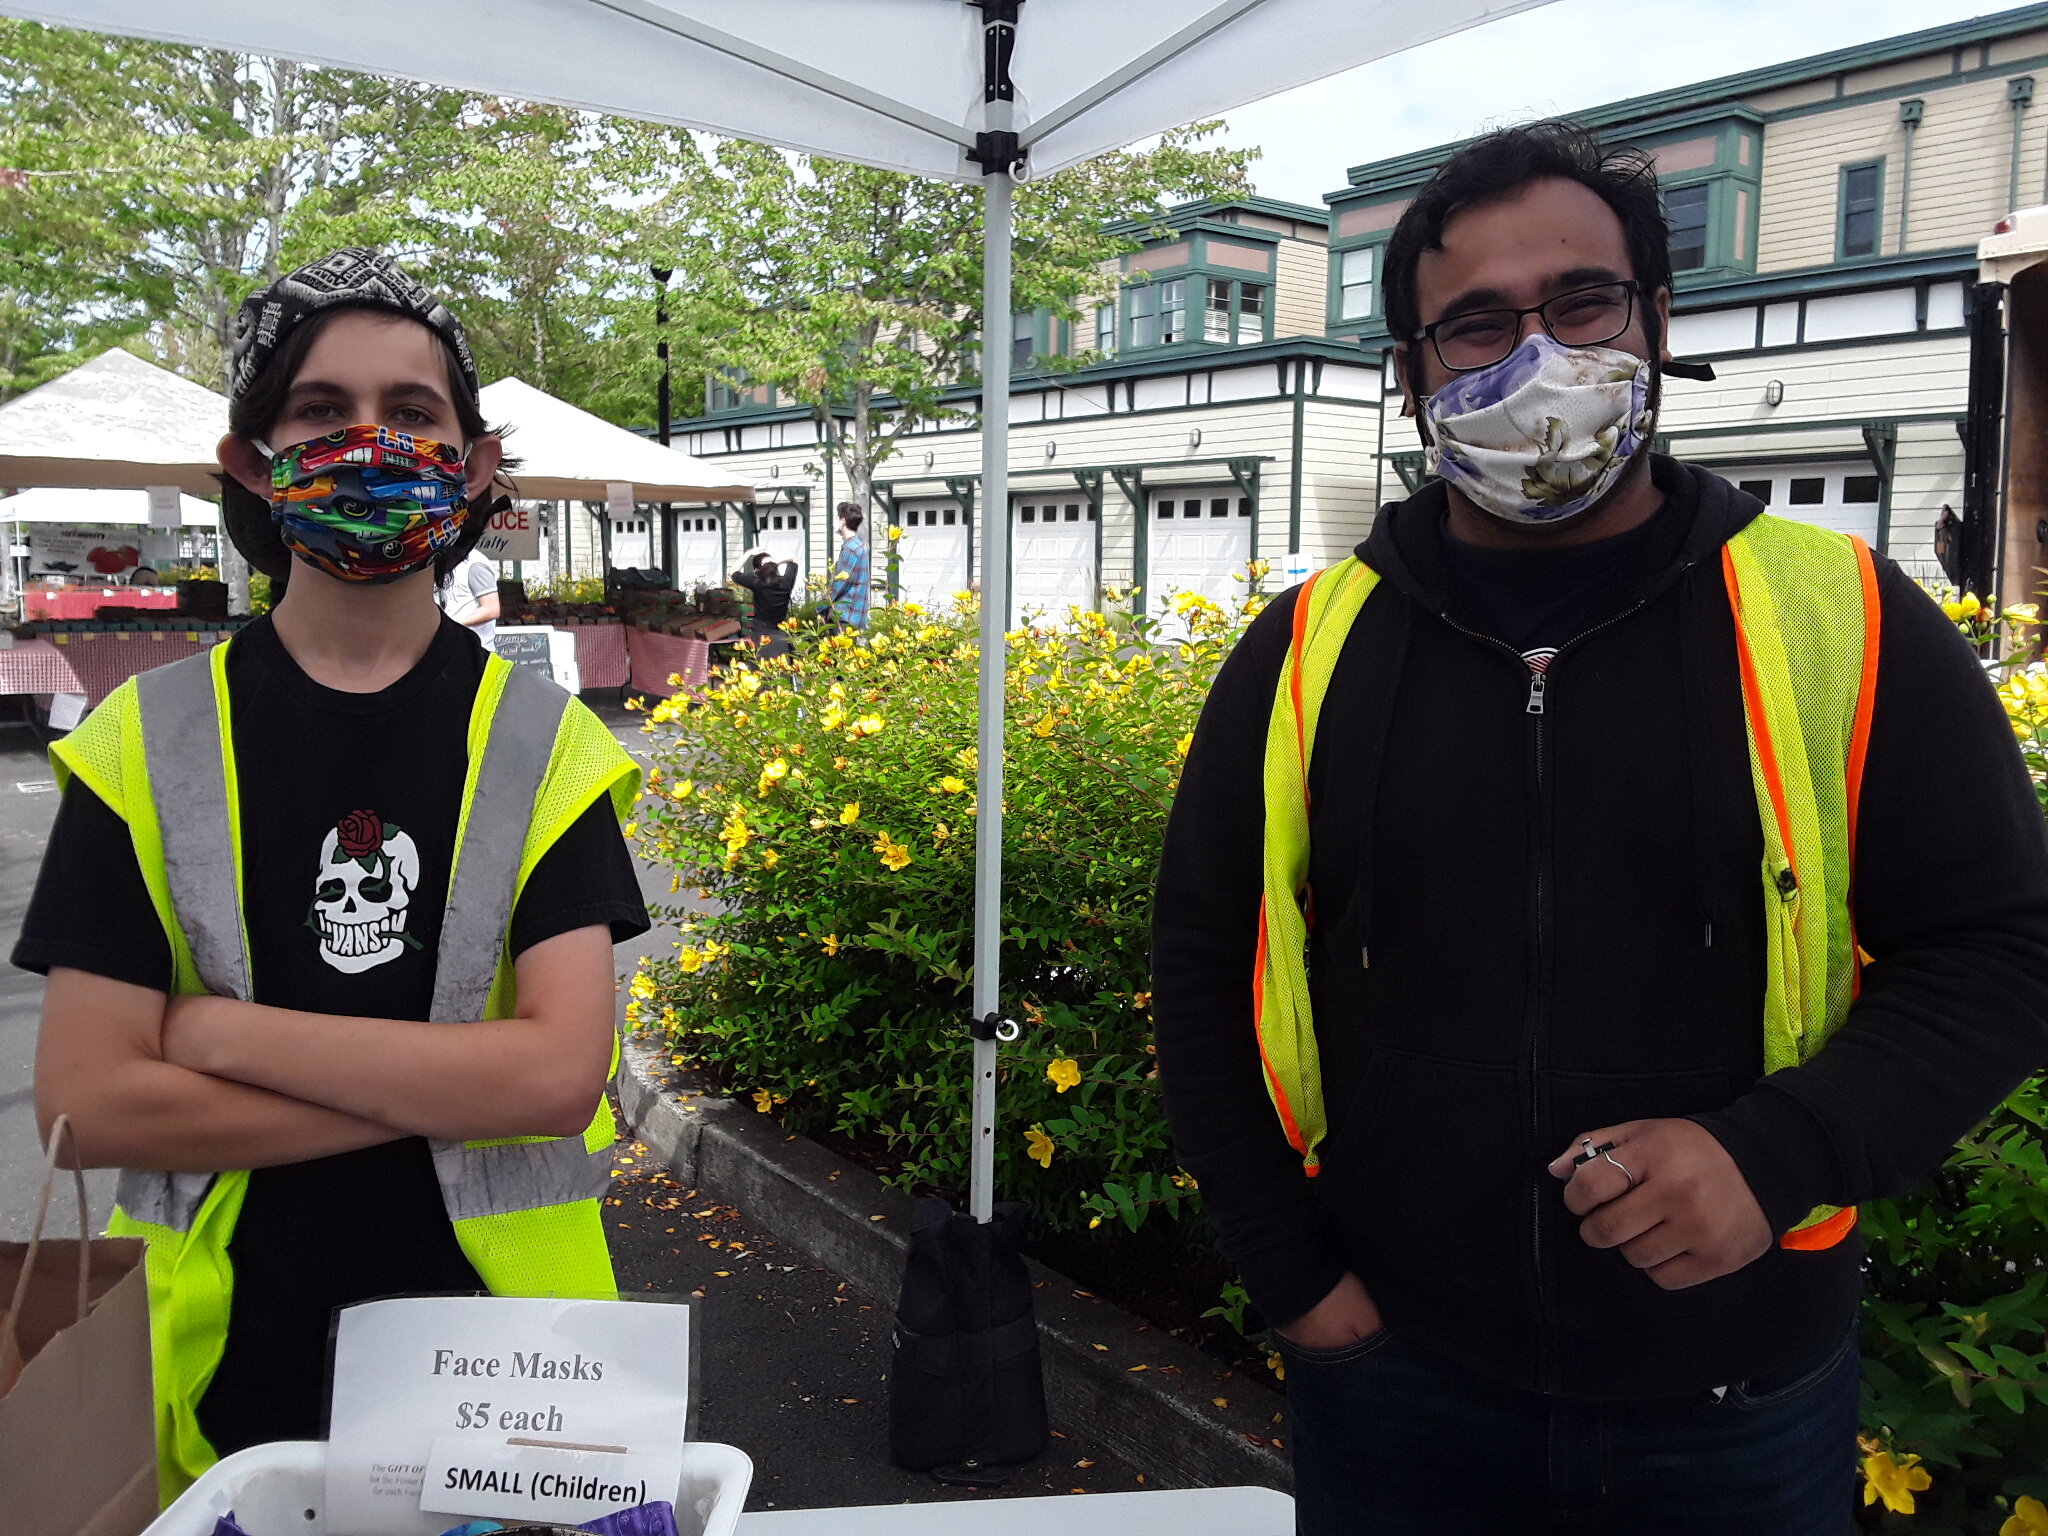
(668, 518)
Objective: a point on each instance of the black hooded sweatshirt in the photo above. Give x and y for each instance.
(1531, 925)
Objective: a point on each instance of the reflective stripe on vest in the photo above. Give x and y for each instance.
(525, 1210)
(1807, 627)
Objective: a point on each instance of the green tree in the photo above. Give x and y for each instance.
(859, 290)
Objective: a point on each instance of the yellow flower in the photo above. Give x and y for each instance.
(831, 943)
(630, 830)
(773, 774)
(851, 814)
(968, 758)
(1180, 748)
(1065, 1074)
(770, 858)
(693, 961)
(839, 764)
(941, 832)
(952, 786)
(642, 986)
(1038, 1146)
(735, 834)
(891, 852)
(868, 725)
(764, 1101)
(1953, 610)
(835, 716)
(1970, 606)
(684, 790)
(1141, 1000)
(1043, 728)
(2029, 1518)
(1894, 1481)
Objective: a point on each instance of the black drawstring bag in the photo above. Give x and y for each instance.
(966, 1395)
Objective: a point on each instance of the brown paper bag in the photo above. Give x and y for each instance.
(77, 1425)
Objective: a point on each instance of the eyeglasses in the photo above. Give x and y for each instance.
(1585, 317)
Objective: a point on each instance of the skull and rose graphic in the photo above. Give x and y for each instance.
(368, 872)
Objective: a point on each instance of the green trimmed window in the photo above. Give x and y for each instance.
(1234, 312)
(1358, 283)
(1860, 204)
(1105, 330)
(1685, 208)
(1158, 313)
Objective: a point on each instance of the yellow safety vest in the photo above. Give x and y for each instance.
(525, 1209)
(1806, 631)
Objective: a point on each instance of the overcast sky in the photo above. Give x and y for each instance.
(1560, 57)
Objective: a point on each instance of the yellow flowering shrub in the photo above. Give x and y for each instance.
(826, 804)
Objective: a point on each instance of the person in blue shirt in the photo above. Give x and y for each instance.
(850, 571)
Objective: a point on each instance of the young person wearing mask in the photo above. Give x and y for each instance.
(771, 585)
(327, 915)
(1507, 1004)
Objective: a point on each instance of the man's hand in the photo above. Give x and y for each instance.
(1687, 1217)
(1343, 1317)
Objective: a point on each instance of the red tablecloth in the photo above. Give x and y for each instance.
(102, 660)
(600, 653)
(37, 666)
(657, 658)
(83, 602)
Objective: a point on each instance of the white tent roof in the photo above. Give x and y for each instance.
(115, 421)
(894, 83)
(53, 504)
(569, 454)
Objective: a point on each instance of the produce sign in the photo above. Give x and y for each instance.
(85, 551)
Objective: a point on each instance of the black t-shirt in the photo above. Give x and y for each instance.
(325, 776)
(1543, 599)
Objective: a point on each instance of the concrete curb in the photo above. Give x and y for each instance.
(1117, 1382)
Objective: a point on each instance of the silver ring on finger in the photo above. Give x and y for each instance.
(1610, 1157)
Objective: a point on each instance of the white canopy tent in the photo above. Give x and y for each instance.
(568, 454)
(966, 90)
(116, 421)
(123, 509)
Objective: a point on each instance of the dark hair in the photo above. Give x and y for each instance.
(1505, 162)
(246, 516)
(849, 514)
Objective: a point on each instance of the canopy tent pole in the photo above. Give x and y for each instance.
(995, 609)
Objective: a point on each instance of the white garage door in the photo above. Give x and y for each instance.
(700, 549)
(1840, 496)
(782, 535)
(1052, 556)
(632, 542)
(931, 553)
(1201, 538)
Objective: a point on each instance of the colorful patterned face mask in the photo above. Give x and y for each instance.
(1544, 433)
(365, 503)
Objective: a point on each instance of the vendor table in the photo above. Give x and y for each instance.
(84, 602)
(102, 660)
(1163, 1512)
(656, 658)
(600, 653)
(37, 666)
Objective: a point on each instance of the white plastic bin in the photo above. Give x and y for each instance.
(280, 1490)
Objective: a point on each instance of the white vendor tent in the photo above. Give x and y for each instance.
(981, 91)
(107, 509)
(568, 454)
(116, 421)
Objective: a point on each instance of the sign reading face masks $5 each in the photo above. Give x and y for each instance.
(535, 1410)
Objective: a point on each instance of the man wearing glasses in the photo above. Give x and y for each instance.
(1513, 1011)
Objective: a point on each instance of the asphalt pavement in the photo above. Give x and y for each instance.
(792, 1365)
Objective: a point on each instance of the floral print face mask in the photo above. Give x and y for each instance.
(1544, 433)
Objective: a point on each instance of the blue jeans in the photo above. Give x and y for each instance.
(1390, 1441)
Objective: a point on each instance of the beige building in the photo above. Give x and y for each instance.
(1824, 213)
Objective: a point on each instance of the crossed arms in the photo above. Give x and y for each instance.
(198, 1084)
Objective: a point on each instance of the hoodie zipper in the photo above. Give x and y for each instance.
(1539, 684)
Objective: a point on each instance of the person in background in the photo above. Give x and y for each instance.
(470, 597)
(1506, 973)
(851, 571)
(771, 585)
(333, 1060)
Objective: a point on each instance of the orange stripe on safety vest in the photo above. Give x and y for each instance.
(1822, 1234)
(1287, 1121)
(1753, 699)
(1859, 734)
(1297, 653)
